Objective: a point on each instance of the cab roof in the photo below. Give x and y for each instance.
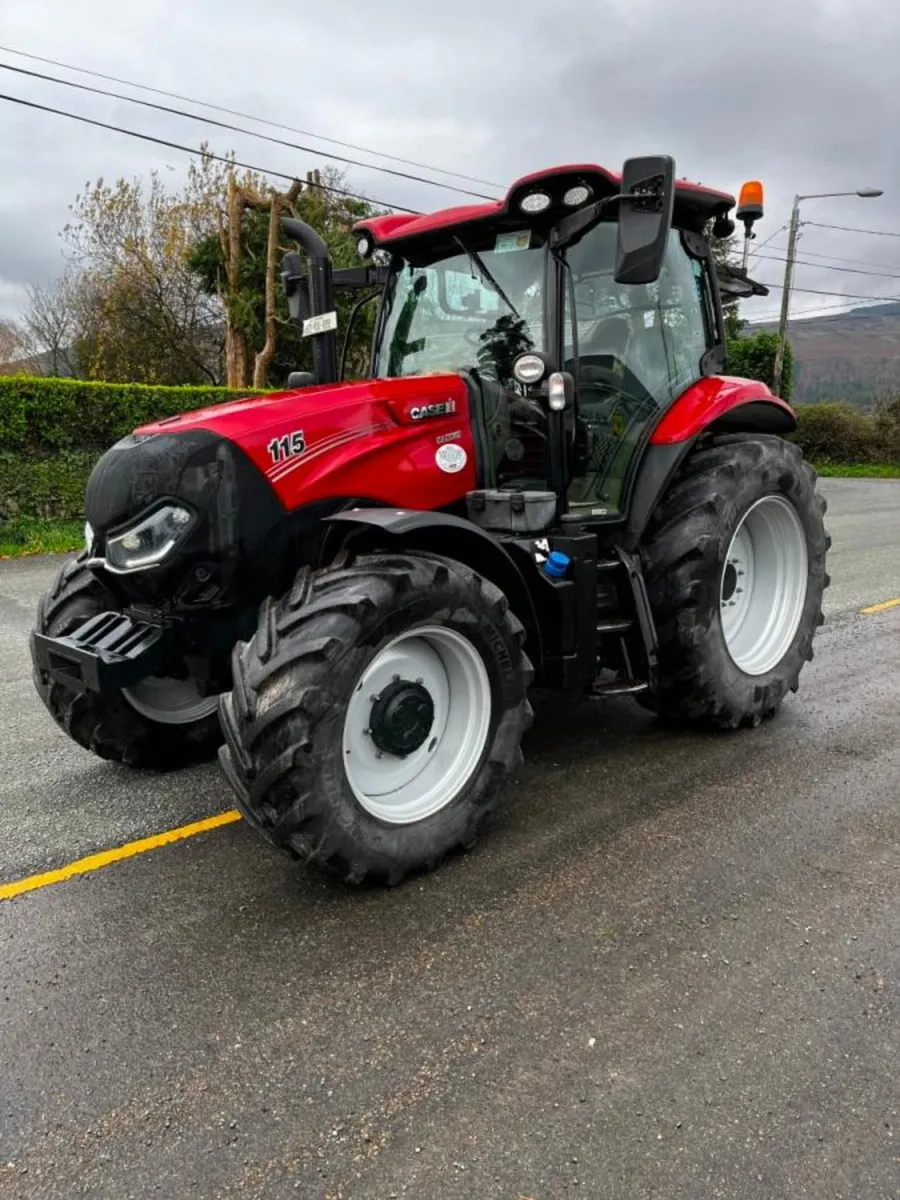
(694, 206)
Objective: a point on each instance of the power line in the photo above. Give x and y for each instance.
(231, 112)
(860, 262)
(858, 310)
(146, 137)
(778, 287)
(850, 229)
(178, 112)
(800, 262)
(770, 238)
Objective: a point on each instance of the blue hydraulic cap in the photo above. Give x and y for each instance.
(557, 564)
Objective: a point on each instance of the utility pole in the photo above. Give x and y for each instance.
(867, 193)
(786, 296)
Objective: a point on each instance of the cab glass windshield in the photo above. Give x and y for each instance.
(477, 309)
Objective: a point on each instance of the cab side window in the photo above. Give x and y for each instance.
(638, 348)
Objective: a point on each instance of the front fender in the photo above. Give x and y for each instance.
(460, 539)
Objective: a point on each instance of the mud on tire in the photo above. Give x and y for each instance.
(284, 720)
(684, 555)
(106, 724)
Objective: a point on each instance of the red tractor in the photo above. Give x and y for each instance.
(545, 482)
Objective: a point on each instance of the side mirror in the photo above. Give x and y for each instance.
(645, 218)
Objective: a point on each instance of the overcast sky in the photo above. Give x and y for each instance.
(802, 94)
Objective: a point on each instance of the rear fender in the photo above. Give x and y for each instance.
(714, 405)
(452, 537)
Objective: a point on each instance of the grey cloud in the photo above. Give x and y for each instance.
(798, 93)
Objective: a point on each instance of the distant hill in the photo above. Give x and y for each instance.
(850, 356)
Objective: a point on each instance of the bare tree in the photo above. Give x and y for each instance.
(51, 322)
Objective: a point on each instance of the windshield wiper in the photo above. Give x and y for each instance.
(478, 261)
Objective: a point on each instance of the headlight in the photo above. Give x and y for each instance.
(148, 542)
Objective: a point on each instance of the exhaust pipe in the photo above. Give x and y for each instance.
(314, 313)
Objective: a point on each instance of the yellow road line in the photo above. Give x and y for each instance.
(883, 607)
(105, 858)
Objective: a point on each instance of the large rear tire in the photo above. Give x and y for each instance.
(160, 724)
(734, 560)
(377, 713)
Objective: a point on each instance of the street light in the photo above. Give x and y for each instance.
(864, 194)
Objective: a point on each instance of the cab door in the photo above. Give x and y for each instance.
(633, 349)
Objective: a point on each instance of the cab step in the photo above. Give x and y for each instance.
(618, 687)
(615, 625)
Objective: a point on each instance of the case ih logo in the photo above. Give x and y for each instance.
(421, 411)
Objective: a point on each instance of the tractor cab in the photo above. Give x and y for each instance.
(607, 279)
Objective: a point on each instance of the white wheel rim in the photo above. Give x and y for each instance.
(762, 591)
(170, 701)
(404, 790)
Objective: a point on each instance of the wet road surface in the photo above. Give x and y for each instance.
(669, 970)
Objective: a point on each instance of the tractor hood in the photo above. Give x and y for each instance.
(401, 399)
(240, 485)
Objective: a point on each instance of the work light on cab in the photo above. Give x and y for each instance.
(576, 196)
(534, 203)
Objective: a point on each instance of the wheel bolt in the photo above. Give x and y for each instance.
(419, 681)
(379, 754)
(395, 678)
(367, 733)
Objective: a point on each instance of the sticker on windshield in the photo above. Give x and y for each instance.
(512, 241)
(450, 458)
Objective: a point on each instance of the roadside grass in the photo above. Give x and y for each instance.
(858, 470)
(31, 535)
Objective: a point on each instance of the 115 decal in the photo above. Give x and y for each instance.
(289, 446)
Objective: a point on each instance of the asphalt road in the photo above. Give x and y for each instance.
(671, 970)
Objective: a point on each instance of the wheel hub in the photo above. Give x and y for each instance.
(729, 582)
(402, 717)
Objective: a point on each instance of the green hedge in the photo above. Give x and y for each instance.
(46, 415)
(53, 430)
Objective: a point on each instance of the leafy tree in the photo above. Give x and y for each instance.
(239, 265)
(140, 314)
(754, 358)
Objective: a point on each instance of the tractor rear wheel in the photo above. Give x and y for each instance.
(159, 724)
(734, 560)
(377, 713)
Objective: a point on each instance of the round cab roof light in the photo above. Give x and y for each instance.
(577, 195)
(534, 203)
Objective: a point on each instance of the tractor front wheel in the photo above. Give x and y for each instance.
(734, 560)
(158, 724)
(377, 713)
